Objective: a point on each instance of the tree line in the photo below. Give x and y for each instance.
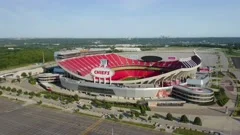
(24, 56)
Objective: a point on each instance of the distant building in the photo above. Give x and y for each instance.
(11, 48)
(127, 49)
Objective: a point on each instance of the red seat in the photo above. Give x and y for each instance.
(84, 65)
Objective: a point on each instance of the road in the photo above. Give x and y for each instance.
(29, 120)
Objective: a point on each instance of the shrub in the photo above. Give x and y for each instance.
(136, 114)
(31, 93)
(76, 97)
(19, 91)
(54, 97)
(120, 116)
(38, 95)
(47, 96)
(143, 111)
(184, 119)
(169, 116)
(32, 81)
(13, 90)
(221, 97)
(1, 92)
(39, 102)
(149, 118)
(13, 81)
(25, 93)
(24, 75)
(8, 89)
(197, 121)
(84, 107)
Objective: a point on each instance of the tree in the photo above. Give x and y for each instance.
(13, 90)
(149, 118)
(19, 91)
(32, 81)
(143, 112)
(31, 94)
(120, 116)
(38, 95)
(13, 81)
(8, 89)
(25, 93)
(29, 74)
(197, 121)
(23, 75)
(3, 88)
(184, 119)
(84, 107)
(54, 97)
(39, 102)
(169, 116)
(107, 105)
(76, 97)
(230, 50)
(47, 96)
(136, 114)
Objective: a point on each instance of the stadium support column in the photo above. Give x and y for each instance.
(110, 80)
(94, 79)
(162, 81)
(172, 79)
(104, 80)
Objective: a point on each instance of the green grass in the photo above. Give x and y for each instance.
(51, 107)
(217, 74)
(13, 99)
(238, 89)
(188, 132)
(221, 97)
(230, 74)
(88, 115)
(138, 124)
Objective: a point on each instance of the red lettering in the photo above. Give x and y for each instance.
(102, 72)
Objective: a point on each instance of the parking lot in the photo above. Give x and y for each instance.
(35, 120)
(236, 62)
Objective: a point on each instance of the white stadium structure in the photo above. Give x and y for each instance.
(116, 76)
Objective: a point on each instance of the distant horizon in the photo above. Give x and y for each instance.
(104, 37)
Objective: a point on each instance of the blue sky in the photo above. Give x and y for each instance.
(119, 18)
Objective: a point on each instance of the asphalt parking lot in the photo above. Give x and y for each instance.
(236, 62)
(35, 120)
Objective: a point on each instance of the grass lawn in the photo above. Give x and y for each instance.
(49, 106)
(238, 89)
(187, 132)
(138, 124)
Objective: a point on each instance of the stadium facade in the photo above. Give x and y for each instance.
(116, 76)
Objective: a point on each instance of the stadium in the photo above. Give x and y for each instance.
(116, 76)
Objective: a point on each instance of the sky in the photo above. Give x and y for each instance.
(119, 18)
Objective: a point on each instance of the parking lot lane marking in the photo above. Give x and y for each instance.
(94, 125)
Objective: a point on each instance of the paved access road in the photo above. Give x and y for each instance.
(35, 120)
